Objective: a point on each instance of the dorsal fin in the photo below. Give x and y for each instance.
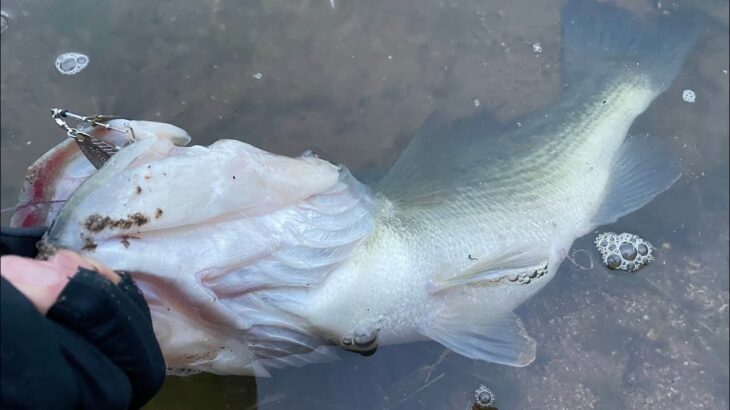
(433, 165)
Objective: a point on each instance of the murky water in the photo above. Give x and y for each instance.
(355, 81)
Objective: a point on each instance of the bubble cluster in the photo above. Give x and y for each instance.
(3, 21)
(625, 251)
(71, 63)
(524, 278)
(689, 96)
(483, 397)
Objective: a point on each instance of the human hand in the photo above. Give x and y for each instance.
(94, 346)
(42, 281)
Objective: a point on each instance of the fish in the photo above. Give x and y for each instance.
(251, 261)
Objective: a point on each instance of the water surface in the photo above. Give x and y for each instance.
(355, 81)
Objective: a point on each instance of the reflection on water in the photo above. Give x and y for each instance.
(354, 82)
(207, 391)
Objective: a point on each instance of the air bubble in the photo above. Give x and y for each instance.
(628, 251)
(71, 63)
(613, 261)
(67, 65)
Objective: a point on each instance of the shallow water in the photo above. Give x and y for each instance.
(355, 81)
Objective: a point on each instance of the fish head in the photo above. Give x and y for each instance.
(51, 179)
(375, 298)
(350, 329)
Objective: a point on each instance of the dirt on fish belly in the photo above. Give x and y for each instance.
(97, 223)
(45, 250)
(89, 245)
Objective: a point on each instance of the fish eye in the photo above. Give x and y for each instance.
(363, 339)
(364, 342)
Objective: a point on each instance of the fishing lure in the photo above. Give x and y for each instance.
(95, 150)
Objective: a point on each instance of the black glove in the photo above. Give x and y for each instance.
(95, 348)
(20, 241)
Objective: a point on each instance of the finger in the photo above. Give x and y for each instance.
(41, 282)
(103, 269)
(69, 260)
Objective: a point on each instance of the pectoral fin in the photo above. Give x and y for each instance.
(642, 170)
(497, 338)
(512, 260)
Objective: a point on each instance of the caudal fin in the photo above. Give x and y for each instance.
(603, 46)
(601, 39)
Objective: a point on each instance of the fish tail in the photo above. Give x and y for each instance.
(600, 39)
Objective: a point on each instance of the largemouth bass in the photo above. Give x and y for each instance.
(252, 261)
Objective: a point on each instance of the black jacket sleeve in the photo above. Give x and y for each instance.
(95, 348)
(20, 241)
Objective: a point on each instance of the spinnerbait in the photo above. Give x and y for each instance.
(95, 150)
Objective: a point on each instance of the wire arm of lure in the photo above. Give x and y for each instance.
(96, 120)
(95, 150)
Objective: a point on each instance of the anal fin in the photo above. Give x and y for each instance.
(497, 338)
